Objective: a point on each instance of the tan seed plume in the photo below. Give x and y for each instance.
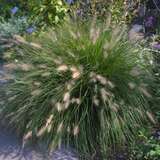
(76, 130)
(62, 68)
(60, 127)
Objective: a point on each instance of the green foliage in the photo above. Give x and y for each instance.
(147, 149)
(47, 12)
(89, 9)
(41, 13)
(6, 6)
(81, 84)
(155, 87)
(13, 26)
(117, 10)
(121, 11)
(158, 114)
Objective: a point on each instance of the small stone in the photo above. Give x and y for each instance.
(136, 33)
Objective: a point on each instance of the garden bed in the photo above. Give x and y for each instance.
(78, 81)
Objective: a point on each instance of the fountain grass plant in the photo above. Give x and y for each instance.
(82, 85)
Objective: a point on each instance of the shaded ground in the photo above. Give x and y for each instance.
(10, 149)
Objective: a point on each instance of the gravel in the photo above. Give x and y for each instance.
(11, 149)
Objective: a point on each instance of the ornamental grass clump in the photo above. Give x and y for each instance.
(82, 85)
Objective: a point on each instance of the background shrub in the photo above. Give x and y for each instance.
(7, 5)
(50, 12)
(15, 25)
(148, 147)
(121, 11)
(41, 13)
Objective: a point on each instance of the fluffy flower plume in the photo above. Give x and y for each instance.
(62, 68)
